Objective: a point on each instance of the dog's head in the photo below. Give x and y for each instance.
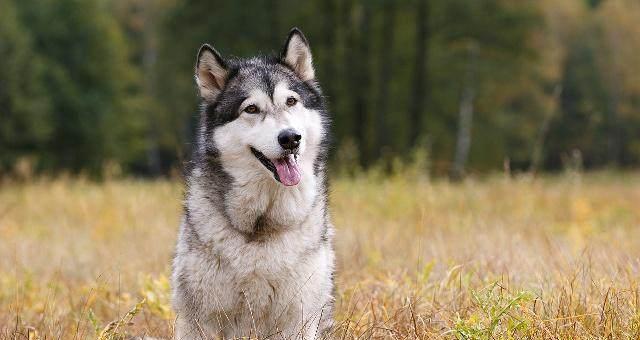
(263, 116)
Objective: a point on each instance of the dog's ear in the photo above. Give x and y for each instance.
(211, 72)
(297, 55)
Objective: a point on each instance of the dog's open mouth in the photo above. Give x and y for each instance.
(285, 169)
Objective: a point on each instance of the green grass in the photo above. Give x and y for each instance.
(492, 258)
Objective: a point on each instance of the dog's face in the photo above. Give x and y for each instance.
(263, 116)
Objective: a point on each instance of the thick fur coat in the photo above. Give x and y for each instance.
(254, 256)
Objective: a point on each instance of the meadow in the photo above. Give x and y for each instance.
(499, 257)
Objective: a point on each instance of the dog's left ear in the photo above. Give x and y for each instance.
(297, 55)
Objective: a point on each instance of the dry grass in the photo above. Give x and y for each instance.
(495, 258)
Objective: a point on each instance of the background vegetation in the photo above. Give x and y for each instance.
(475, 85)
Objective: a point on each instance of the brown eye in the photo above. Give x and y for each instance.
(291, 101)
(251, 109)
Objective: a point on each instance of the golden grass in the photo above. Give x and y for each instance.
(495, 258)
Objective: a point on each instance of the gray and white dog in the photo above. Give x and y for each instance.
(254, 256)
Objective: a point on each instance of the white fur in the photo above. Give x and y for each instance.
(276, 287)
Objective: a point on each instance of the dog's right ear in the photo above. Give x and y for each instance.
(211, 72)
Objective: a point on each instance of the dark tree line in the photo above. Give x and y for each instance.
(95, 84)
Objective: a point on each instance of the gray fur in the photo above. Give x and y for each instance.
(255, 257)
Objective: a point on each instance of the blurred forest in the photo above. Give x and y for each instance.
(470, 85)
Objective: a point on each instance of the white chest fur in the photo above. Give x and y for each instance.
(256, 280)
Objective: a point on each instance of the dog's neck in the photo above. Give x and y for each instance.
(253, 204)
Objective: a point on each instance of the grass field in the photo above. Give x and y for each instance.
(493, 258)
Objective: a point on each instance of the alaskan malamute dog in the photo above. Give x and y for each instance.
(254, 256)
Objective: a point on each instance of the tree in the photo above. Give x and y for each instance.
(141, 21)
(562, 22)
(465, 118)
(87, 83)
(384, 78)
(24, 104)
(360, 80)
(420, 80)
(487, 57)
(88, 77)
(620, 68)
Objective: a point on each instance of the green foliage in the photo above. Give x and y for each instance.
(88, 81)
(24, 104)
(70, 89)
(96, 84)
(501, 315)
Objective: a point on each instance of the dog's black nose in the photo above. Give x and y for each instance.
(289, 139)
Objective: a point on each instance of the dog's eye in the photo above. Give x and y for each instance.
(251, 109)
(291, 101)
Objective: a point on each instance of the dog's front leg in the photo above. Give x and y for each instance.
(190, 328)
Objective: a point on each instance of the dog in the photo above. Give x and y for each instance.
(254, 256)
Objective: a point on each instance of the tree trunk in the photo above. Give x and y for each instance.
(149, 57)
(360, 81)
(614, 131)
(346, 125)
(329, 58)
(420, 77)
(386, 63)
(465, 118)
(537, 155)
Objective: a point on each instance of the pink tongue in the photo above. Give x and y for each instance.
(288, 171)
